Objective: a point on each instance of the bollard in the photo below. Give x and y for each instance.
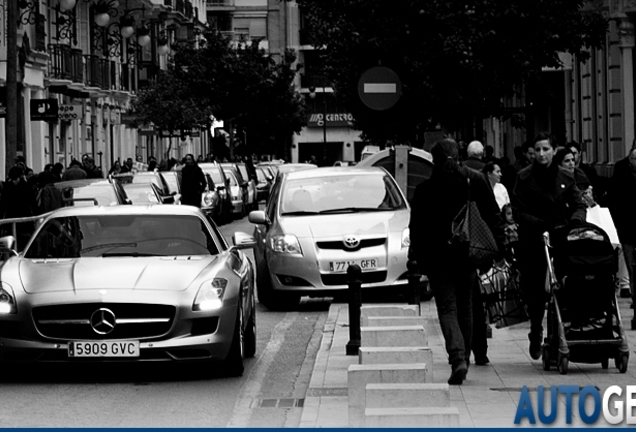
(414, 291)
(355, 302)
(632, 282)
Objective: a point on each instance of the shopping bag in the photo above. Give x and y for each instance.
(601, 217)
(501, 296)
(471, 231)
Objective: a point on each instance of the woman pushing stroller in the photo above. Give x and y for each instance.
(545, 198)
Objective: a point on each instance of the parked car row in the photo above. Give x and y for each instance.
(101, 280)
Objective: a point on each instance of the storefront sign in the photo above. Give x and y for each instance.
(146, 130)
(70, 112)
(44, 109)
(333, 120)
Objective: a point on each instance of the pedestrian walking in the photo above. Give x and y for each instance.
(621, 197)
(17, 201)
(74, 171)
(492, 171)
(193, 182)
(545, 198)
(475, 155)
(452, 277)
(49, 197)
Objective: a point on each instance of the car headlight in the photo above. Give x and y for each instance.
(208, 199)
(406, 238)
(7, 300)
(286, 244)
(210, 295)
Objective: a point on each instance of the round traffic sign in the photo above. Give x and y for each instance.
(379, 88)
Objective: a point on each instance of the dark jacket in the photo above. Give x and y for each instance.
(474, 163)
(49, 198)
(435, 204)
(544, 199)
(18, 200)
(193, 184)
(622, 201)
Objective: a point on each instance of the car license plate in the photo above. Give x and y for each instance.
(103, 349)
(342, 266)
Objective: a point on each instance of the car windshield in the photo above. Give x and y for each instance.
(103, 193)
(244, 172)
(230, 175)
(260, 174)
(141, 193)
(122, 235)
(171, 179)
(147, 179)
(215, 174)
(340, 194)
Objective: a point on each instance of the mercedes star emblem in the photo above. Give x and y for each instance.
(103, 321)
(351, 242)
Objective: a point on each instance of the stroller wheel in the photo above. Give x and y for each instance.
(563, 364)
(545, 358)
(621, 361)
(605, 363)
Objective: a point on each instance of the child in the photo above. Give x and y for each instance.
(510, 230)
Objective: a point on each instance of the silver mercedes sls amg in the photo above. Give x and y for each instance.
(127, 284)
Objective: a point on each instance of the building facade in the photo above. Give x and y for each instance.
(89, 58)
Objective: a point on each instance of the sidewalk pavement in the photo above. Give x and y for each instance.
(490, 394)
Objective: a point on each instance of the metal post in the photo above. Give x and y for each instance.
(632, 282)
(355, 302)
(414, 293)
(324, 126)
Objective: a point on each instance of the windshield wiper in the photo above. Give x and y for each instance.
(108, 245)
(129, 254)
(355, 210)
(300, 213)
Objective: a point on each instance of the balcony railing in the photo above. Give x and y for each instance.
(98, 72)
(219, 3)
(66, 63)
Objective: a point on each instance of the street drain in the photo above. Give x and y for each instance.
(280, 403)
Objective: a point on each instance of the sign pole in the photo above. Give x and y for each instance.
(11, 132)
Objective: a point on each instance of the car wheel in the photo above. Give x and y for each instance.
(250, 332)
(263, 284)
(234, 360)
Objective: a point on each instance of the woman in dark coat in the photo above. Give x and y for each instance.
(452, 277)
(192, 183)
(545, 198)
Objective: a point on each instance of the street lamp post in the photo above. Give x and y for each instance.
(312, 94)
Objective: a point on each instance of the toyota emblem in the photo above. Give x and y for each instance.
(351, 242)
(103, 321)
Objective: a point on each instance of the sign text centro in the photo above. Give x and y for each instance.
(333, 120)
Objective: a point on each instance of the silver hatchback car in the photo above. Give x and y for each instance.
(320, 221)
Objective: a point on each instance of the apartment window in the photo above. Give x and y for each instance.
(254, 27)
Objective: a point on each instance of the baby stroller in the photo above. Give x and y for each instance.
(584, 322)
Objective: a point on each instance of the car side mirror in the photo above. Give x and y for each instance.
(258, 217)
(168, 199)
(242, 240)
(220, 187)
(173, 193)
(7, 248)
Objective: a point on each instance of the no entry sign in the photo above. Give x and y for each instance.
(379, 88)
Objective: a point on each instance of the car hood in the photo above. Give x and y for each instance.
(159, 274)
(367, 224)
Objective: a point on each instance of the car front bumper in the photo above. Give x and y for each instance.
(319, 271)
(192, 336)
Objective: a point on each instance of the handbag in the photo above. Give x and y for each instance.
(470, 231)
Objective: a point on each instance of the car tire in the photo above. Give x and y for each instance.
(250, 332)
(233, 363)
(264, 284)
